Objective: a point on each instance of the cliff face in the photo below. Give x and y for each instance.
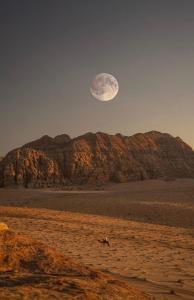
(97, 158)
(29, 167)
(101, 157)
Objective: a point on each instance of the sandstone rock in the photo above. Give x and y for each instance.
(96, 159)
(29, 167)
(102, 157)
(3, 226)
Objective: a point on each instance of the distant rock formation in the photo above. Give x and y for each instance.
(31, 270)
(29, 167)
(96, 159)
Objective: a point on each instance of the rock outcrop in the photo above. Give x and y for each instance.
(29, 167)
(31, 270)
(97, 159)
(3, 226)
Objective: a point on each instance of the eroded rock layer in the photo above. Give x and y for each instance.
(96, 159)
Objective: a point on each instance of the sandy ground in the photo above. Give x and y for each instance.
(156, 257)
(156, 202)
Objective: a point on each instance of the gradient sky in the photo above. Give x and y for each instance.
(50, 50)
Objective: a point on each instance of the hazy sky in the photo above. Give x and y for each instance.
(50, 50)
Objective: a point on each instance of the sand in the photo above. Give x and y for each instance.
(149, 224)
(154, 201)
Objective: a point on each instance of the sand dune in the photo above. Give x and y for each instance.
(158, 259)
(150, 225)
(31, 270)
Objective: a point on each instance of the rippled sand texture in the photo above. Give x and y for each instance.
(157, 258)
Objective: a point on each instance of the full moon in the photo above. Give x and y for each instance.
(104, 87)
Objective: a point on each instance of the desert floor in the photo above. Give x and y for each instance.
(150, 226)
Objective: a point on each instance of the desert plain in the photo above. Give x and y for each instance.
(149, 224)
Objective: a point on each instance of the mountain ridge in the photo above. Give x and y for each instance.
(97, 158)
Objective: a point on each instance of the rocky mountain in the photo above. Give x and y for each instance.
(96, 159)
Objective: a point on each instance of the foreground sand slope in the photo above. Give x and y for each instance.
(158, 259)
(31, 270)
